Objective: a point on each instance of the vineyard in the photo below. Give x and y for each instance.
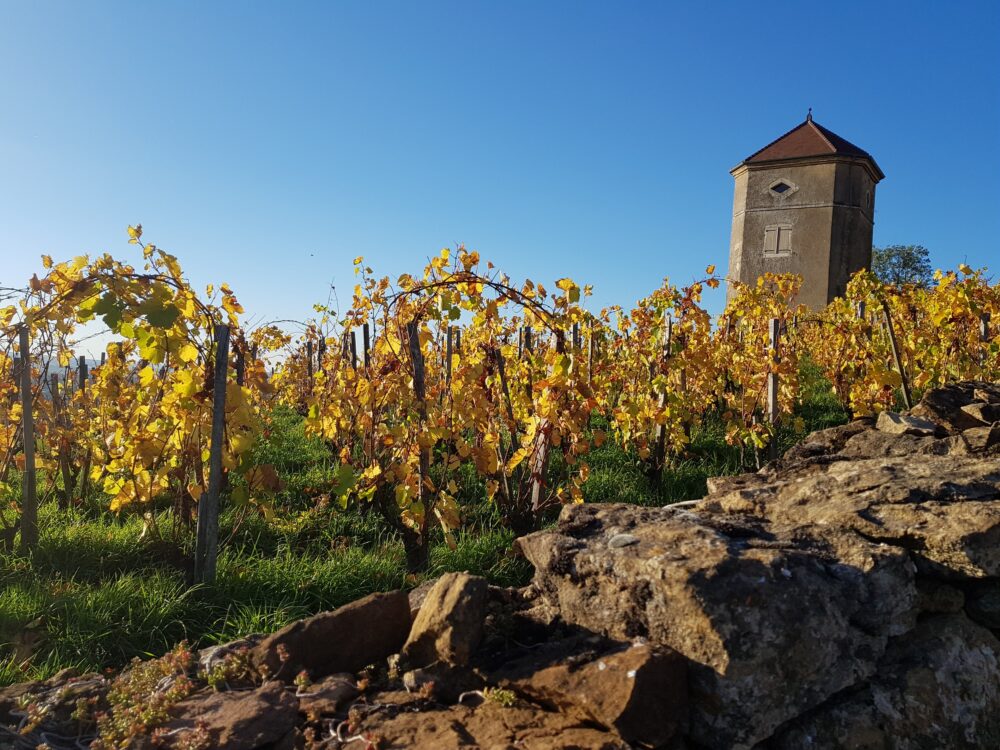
(430, 389)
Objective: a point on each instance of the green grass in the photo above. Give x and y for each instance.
(95, 593)
(93, 596)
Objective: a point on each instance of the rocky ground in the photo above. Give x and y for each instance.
(847, 596)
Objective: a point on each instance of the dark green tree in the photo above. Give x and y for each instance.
(902, 264)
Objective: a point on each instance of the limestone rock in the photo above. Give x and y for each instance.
(944, 405)
(938, 687)
(985, 413)
(329, 696)
(771, 625)
(902, 424)
(442, 682)
(943, 509)
(990, 394)
(983, 604)
(878, 444)
(640, 692)
(238, 720)
(56, 698)
(935, 596)
(344, 640)
(820, 443)
(418, 594)
(449, 625)
(487, 725)
(978, 439)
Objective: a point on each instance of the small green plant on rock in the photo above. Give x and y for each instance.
(505, 698)
(235, 668)
(140, 698)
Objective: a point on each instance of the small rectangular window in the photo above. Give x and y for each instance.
(778, 239)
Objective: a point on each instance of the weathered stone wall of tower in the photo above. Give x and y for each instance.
(805, 211)
(828, 213)
(853, 222)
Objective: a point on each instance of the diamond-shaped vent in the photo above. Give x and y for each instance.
(781, 187)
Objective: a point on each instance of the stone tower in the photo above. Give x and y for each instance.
(804, 204)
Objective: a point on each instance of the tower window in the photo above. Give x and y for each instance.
(778, 240)
(781, 187)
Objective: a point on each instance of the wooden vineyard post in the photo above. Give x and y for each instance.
(29, 497)
(367, 344)
(774, 334)
(241, 366)
(63, 458)
(320, 353)
(666, 343)
(309, 359)
(354, 350)
(419, 385)
(207, 544)
(895, 355)
(81, 372)
(417, 548)
(590, 357)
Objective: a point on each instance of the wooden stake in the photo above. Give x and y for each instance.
(366, 341)
(81, 372)
(309, 359)
(207, 545)
(241, 366)
(29, 500)
(907, 399)
(660, 444)
(590, 357)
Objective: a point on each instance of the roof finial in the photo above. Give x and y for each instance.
(809, 115)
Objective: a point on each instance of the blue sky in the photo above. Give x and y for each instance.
(268, 144)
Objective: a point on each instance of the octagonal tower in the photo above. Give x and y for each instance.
(804, 204)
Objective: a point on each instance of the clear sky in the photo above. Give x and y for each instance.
(267, 144)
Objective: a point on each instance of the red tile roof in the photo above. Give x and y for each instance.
(809, 139)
